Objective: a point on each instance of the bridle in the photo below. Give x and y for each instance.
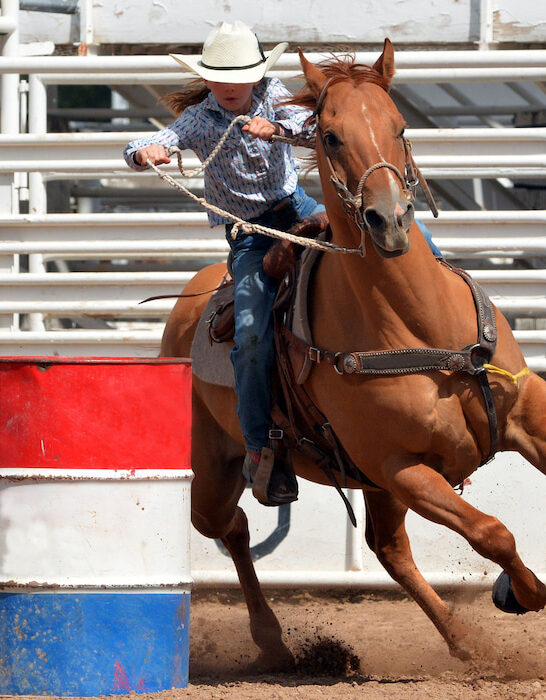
(353, 203)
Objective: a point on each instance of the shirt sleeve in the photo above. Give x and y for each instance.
(180, 133)
(291, 117)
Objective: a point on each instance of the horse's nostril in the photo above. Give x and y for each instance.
(406, 220)
(399, 210)
(374, 220)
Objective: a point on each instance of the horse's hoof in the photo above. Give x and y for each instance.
(278, 662)
(504, 598)
(461, 651)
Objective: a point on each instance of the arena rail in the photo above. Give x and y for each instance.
(119, 294)
(412, 67)
(116, 295)
(463, 153)
(30, 160)
(34, 158)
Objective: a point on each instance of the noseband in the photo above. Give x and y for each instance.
(353, 204)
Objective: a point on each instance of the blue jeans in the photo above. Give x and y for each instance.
(253, 353)
(428, 237)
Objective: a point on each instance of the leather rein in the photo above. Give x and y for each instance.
(353, 203)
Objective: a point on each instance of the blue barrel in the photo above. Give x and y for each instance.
(92, 643)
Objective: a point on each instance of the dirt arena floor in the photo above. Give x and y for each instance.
(398, 651)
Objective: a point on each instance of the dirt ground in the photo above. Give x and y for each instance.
(398, 651)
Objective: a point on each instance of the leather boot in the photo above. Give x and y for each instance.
(273, 484)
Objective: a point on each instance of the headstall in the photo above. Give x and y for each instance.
(353, 203)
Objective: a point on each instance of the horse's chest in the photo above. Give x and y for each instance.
(389, 414)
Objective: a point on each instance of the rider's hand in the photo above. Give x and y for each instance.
(261, 128)
(155, 153)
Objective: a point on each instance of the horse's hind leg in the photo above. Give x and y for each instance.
(216, 489)
(264, 626)
(426, 492)
(386, 536)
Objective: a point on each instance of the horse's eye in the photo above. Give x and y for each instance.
(331, 139)
(402, 132)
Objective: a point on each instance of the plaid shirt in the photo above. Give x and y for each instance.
(248, 175)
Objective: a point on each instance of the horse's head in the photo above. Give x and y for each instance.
(362, 154)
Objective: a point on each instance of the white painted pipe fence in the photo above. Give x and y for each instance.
(453, 153)
(462, 153)
(139, 64)
(412, 67)
(117, 294)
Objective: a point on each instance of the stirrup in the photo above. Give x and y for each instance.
(271, 487)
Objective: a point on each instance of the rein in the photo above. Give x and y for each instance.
(223, 283)
(240, 224)
(352, 204)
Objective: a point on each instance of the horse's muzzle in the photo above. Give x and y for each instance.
(389, 233)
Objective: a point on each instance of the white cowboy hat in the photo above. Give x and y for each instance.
(232, 54)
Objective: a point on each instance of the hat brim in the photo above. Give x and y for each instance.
(236, 75)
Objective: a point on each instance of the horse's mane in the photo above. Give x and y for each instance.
(339, 69)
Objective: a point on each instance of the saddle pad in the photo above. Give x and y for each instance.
(210, 361)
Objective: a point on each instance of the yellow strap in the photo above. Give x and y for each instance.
(514, 378)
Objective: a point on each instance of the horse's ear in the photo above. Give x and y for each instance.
(385, 63)
(315, 78)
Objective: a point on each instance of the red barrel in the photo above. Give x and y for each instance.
(95, 413)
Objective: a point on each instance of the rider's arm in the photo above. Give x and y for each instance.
(289, 119)
(153, 147)
(180, 133)
(292, 118)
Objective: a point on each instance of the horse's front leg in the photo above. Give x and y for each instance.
(387, 538)
(426, 492)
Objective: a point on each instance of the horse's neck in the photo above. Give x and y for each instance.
(382, 302)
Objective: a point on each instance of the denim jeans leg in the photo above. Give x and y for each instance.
(252, 355)
(304, 204)
(428, 237)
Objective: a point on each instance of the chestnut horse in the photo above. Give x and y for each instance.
(415, 436)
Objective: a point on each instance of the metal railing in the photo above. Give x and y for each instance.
(51, 299)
